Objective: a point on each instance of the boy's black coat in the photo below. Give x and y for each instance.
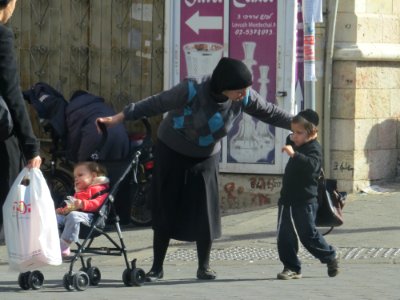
(300, 181)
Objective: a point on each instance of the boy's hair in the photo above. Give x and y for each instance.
(308, 126)
(93, 167)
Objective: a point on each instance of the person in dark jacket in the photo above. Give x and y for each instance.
(185, 202)
(21, 148)
(297, 206)
(82, 111)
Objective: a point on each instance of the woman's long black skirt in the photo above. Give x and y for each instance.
(185, 199)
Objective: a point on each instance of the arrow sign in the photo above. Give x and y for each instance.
(197, 23)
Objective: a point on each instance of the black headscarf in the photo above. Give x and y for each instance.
(230, 74)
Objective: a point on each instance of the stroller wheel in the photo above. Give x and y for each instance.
(23, 280)
(140, 212)
(94, 275)
(138, 276)
(67, 282)
(127, 278)
(35, 280)
(81, 281)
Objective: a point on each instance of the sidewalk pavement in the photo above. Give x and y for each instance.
(246, 261)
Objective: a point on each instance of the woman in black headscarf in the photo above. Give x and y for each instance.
(21, 147)
(185, 186)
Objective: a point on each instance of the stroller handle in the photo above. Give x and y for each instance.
(104, 135)
(147, 138)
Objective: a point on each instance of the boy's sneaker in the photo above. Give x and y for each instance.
(333, 267)
(288, 274)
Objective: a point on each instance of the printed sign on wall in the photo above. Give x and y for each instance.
(201, 37)
(245, 30)
(252, 39)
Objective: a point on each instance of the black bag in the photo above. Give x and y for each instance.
(6, 123)
(50, 106)
(330, 203)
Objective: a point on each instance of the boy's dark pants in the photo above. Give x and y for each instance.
(299, 221)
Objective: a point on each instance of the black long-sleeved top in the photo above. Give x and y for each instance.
(300, 181)
(11, 92)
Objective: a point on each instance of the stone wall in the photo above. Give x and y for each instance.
(365, 93)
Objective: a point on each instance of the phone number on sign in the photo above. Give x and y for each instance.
(254, 32)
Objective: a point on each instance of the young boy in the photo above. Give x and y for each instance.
(297, 206)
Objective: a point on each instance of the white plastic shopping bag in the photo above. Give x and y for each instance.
(30, 224)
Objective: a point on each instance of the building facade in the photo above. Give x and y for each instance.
(118, 49)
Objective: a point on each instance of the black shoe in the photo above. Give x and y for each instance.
(333, 267)
(152, 275)
(206, 274)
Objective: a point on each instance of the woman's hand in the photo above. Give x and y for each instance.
(110, 121)
(34, 162)
(288, 149)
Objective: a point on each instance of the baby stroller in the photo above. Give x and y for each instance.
(88, 274)
(119, 172)
(57, 165)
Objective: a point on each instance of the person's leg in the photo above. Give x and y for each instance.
(312, 239)
(70, 233)
(288, 245)
(160, 247)
(203, 254)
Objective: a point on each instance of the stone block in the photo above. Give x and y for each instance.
(391, 29)
(387, 134)
(365, 135)
(346, 6)
(382, 164)
(344, 74)
(372, 103)
(367, 75)
(342, 134)
(350, 6)
(360, 164)
(394, 103)
(342, 165)
(388, 75)
(360, 6)
(346, 27)
(343, 103)
(369, 28)
(396, 8)
(377, 75)
(379, 6)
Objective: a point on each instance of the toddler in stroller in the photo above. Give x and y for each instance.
(91, 189)
(85, 217)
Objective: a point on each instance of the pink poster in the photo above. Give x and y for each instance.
(253, 39)
(201, 37)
